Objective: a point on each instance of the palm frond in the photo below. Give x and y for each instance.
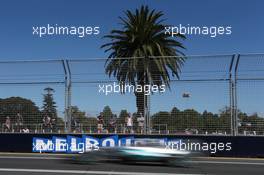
(142, 35)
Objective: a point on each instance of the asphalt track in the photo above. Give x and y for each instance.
(35, 164)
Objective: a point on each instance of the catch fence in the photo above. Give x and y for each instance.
(212, 95)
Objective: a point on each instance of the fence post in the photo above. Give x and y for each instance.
(147, 111)
(231, 95)
(146, 114)
(146, 103)
(69, 94)
(65, 95)
(235, 96)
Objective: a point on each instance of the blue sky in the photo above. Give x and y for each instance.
(18, 17)
(17, 42)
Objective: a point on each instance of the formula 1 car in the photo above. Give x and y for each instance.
(143, 151)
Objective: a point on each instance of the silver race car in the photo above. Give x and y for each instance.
(142, 151)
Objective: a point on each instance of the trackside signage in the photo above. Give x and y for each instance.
(85, 143)
(71, 144)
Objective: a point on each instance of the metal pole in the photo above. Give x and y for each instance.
(145, 102)
(231, 106)
(69, 94)
(233, 109)
(147, 99)
(146, 107)
(231, 95)
(235, 95)
(146, 127)
(65, 96)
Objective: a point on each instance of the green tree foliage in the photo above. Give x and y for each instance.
(78, 115)
(107, 114)
(190, 119)
(142, 35)
(49, 105)
(177, 119)
(210, 121)
(122, 117)
(83, 122)
(29, 111)
(250, 123)
(224, 118)
(160, 120)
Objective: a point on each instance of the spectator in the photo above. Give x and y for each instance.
(18, 122)
(75, 125)
(112, 124)
(141, 121)
(100, 122)
(7, 125)
(46, 123)
(25, 130)
(129, 123)
(53, 125)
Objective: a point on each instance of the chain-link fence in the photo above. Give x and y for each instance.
(197, 103)
(27, 89)
(218, 94)
(249, 77)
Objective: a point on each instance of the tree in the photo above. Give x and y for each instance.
(142, 36)
(176, 119)
(87, 123)
(122, 117)
(225, 119)
(49, 105)
(174, 111)
(107, 114)
(210, 122)
(28, 109)
(160, 121)
(78, 115)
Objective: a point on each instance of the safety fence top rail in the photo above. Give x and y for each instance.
(250, 67)
(191, 68)
(32, 72)
(93, 70)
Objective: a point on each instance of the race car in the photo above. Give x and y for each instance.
(142, 151)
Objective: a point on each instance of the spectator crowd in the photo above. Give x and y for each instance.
(130, 125)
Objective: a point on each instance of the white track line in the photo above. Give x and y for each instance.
(31, 157)
(194, 161)
(83, 172)
(228, 162)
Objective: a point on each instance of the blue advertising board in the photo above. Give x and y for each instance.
(73, 144)
(85, 143)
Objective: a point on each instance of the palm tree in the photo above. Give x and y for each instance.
(142, 54)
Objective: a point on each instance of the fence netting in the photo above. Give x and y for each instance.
(250, 84)
(202, 95)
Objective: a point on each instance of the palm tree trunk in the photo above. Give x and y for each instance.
(143, 108)
(140, 99)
